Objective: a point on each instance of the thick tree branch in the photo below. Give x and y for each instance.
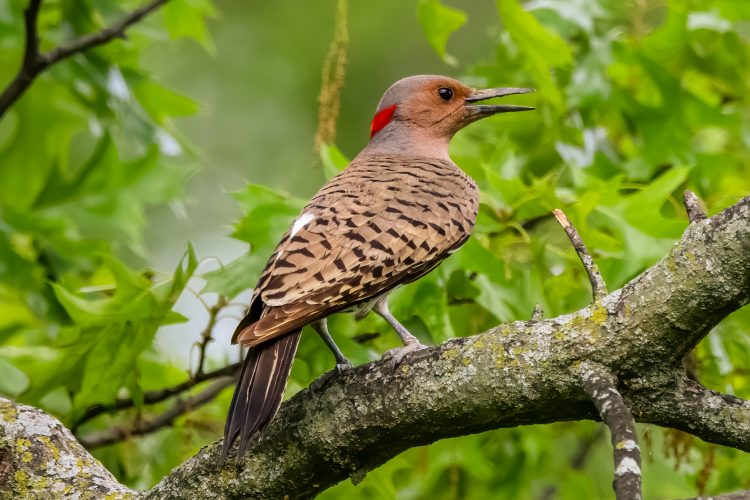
(515, 374)
(688, 406)
(601, 388)
(140, 427)
(511, 375)
(39, 457)
(34, 62)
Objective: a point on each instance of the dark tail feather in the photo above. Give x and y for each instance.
(258, 393)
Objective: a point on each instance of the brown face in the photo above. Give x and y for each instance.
(438, 106)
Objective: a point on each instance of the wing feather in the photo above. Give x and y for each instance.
(362, 240)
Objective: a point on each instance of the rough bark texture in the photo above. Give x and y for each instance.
(601, 388)
(41, 458)
(515, 374)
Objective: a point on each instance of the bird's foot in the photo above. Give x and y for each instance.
(397, 355)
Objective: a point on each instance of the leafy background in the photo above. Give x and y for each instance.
(116, 159)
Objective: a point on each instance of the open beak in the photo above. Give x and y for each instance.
(476, 111)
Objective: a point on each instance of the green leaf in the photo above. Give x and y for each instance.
(186, 18)
(438, 23)
(238, 276)
(643, 210)
(12, 380)
(542, 49)
(333, 160)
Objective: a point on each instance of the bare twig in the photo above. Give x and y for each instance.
(152, 397)
(31, 51)
(207, 335)
(600, 386)
(693, 206)
(35, 62)
(598, 287)
(159, 395)
(30, 65)
(537, 314)
(137, 428)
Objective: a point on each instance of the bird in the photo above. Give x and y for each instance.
(391, 216)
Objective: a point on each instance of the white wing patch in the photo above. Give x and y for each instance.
(301, 221)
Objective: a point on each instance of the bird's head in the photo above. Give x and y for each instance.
(430, 109)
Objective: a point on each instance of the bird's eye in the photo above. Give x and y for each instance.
(445, 93)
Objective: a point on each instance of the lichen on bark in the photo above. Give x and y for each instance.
(40, 458)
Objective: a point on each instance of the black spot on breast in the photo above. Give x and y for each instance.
(352, 235)
(438, 228)
(412, 222)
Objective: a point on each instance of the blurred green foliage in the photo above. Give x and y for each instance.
(637, 101)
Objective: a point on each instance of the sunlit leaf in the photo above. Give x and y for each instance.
(438, 23)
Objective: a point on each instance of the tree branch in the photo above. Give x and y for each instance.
(207, 335)
(598, 287)
(688, 406)
(511, 375)
(140, 427)
(34, 62)
(514, 374)
(601, 388)
(537, 314)
(39, 457)
(693, 207)
(159, 395)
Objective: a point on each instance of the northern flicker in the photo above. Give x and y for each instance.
(397, 210)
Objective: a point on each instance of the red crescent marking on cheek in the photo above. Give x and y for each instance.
(381, 119)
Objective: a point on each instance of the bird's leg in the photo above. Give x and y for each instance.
(411, 343)
(321, 326)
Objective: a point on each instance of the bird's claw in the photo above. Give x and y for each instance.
(397, 355)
